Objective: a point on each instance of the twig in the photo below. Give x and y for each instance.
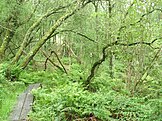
(7, 28)
(48, 58)
(72, 31)
(59, 61)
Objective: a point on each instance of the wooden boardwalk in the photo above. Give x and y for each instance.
(24, 104)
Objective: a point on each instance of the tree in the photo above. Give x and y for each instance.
(12, 22)
(47, 35)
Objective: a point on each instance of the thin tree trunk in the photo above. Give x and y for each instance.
(30, 30)
(111, 59)
(13, 24)
(5, 43)
(47, 35)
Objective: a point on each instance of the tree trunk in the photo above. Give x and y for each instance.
(47, 35)
(27, 36)
(5, 43)
(12, 24)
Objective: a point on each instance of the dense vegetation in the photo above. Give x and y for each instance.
(97, 60)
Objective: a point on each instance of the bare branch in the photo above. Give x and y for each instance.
(137, 43)
(59, 61)
(48, 58)
(78, 33)
(138, 21)
(95, 65)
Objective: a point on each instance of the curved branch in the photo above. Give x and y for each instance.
(137, 43)
(156, 9)
(59, 61)
(48, 58)
(95, 65)
(99, 62)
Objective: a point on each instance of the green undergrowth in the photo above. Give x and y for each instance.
(9, 91)
(64, 97)
(8, 97)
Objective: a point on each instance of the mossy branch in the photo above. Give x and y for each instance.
(47, 35)
(32, 28)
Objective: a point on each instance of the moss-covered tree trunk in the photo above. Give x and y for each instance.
(5, 43)
(47, 35)
(27, 36)
(12, 23)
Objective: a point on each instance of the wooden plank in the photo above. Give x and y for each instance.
(17, 110)
(30, 87)
(27, 107)
(36, 86)
(24, 104)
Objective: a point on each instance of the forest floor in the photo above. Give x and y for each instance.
(9, 92)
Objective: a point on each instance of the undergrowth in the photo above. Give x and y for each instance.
(9, 90)
(64, 98)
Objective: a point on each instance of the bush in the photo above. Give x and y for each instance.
(63, 99)
(10, 72)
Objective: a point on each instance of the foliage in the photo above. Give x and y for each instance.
(64, 99)
(8, 97)
(67, 100)
(9, 72)
(126, 86)
(8, 92)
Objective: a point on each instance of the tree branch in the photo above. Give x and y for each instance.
(78, 33)
(95, 65)
(138, 21)
(48, 58)
(137, 43)
(99, 62)
(36, 24)
(145, 74)
(31, 15)
(59, 61)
